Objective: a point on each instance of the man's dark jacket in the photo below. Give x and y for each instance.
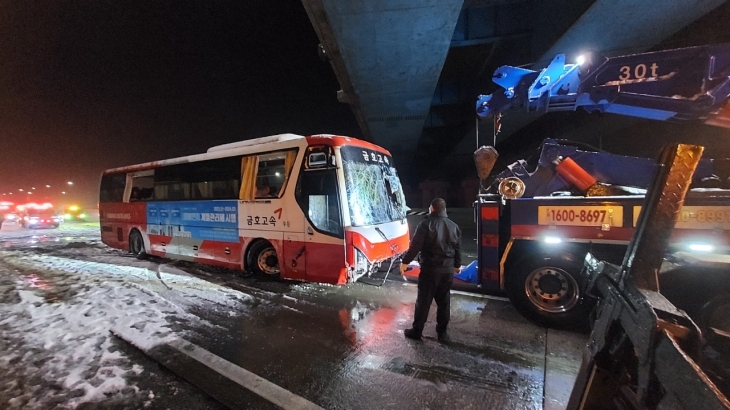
(438, 239)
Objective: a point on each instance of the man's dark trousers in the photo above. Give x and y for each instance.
(433, 285)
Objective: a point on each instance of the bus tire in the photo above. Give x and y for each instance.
(547, 290)
(263, 259)
(136, 245)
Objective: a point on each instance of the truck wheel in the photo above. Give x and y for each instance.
(136, 245)
(547, 291)
(262, 259)
(715, 314)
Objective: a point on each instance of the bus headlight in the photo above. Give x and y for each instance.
(552, 240)
(362, 264)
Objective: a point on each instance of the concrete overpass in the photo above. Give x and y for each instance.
(411, 71)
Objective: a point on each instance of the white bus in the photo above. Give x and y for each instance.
(321, 208)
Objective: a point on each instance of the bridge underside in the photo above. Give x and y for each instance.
(411, 71)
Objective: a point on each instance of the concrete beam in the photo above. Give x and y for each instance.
(388, 56)
(620, 27)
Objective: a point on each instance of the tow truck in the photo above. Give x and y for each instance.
(574, 231)
(535, 226)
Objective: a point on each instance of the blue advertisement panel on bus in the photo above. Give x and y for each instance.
(204, 220)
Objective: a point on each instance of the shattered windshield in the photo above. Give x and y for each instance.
(374, 192)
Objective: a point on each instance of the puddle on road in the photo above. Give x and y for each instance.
(504, 374)
(364, 324)
(440, 375)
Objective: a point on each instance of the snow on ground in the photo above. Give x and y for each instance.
(56, 314)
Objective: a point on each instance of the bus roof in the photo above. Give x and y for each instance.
(255, 141)
(251, 146)
(339, 140)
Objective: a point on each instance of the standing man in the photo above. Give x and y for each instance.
(438, 239)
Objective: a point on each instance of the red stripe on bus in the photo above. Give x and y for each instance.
(376, 252)
(338, 141)
(329, 268)
(225, 254)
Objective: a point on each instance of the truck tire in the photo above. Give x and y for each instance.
(715, 314)
(547, 290)
(136, 245)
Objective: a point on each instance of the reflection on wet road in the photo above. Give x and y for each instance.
(338, 347)
(343, 347)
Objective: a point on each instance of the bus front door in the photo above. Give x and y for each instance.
(318, 196)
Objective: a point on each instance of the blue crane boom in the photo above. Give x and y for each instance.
(673, 85)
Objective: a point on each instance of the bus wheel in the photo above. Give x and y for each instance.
(136, 245)
(546, 290)
(262, 258)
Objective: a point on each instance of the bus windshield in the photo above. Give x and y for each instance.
(374, 192)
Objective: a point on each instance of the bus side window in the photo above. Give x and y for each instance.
(317, 195)
(273, 172)
(217, 178)
(112, 187)
(142, 186)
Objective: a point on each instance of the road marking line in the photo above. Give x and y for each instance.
(264, 388)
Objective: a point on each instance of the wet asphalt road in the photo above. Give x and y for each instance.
(343, 347)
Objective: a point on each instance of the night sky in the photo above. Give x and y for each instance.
(90, 85)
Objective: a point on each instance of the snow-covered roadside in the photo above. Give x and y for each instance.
(55, 318)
